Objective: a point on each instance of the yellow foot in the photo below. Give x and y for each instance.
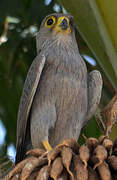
(47, 145)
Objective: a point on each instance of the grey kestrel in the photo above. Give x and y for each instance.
(59, 96)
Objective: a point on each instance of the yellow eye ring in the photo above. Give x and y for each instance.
(50, 21)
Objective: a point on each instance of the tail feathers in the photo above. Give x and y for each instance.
(20, 155)
(21, 151)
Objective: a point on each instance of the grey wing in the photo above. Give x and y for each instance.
(94, 83)
(28, 93)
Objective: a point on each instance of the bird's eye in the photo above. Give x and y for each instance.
(50, 22)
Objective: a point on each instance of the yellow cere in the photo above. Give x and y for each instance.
(50, 21)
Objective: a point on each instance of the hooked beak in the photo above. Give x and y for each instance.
(64, 24)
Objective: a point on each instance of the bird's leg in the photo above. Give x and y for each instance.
(47, 145)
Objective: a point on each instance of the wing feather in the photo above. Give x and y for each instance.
(28, 93)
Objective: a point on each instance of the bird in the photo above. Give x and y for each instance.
(59, 95)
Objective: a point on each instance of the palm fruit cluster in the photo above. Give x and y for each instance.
(95, 160)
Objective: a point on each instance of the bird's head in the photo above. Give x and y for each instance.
(58, 27)
(58, 23)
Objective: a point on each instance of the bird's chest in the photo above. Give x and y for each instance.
(65, 66)
(62, 78)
